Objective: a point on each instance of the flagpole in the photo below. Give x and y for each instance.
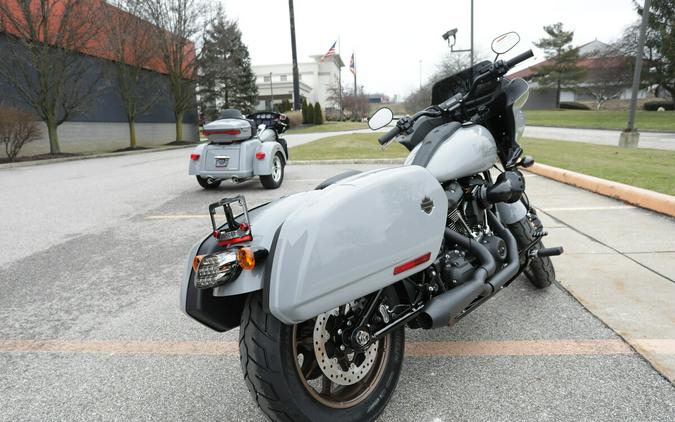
(356, 91)
(339, 76)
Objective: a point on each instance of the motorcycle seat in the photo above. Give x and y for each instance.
(336, 178)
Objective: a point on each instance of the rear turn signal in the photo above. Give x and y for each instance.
(246, 258)
(412, 264)
(194, 157)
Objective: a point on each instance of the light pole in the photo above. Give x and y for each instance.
(296, 73)
(471, 33)
(271, 93)
(630, 137)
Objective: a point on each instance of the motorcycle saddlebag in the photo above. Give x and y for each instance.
(355, 237)
(228, 130)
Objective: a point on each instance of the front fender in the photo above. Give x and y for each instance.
(511, 213)
(263, 167)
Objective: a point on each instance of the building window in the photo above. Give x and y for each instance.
(266, 78)
(283, 78)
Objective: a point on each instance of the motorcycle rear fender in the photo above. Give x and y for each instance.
(196, 165)
(263, 167)
(220, 308)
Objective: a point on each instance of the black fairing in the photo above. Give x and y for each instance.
(502, 123)
(458, 83)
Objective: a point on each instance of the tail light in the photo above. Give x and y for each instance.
(222, 132)
(217, 269)
(214, 270)
(194, 157)
(260, 155)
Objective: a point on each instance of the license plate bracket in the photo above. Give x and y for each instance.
(222, 160)
(234, 230)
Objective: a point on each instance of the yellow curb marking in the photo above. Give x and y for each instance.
(419, 349)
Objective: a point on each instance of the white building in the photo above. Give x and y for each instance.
(275, 81)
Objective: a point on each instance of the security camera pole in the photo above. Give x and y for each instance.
(296, 74)
(630, 137)
(451, 38)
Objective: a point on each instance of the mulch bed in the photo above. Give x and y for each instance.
(39, 157)
(181, 143)
(131, 149)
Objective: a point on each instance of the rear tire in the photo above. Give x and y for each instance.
(540, 270)
(274, 180)
(273, 372)
(204, 182)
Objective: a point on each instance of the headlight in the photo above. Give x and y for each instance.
(214, 270)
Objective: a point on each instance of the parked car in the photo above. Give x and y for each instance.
(240, 148)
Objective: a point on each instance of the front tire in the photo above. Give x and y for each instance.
(540, 270)
(208, 183)
(274, 180)
(273, 370)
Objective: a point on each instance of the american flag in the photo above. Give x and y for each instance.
(330, 53)
(352, 64)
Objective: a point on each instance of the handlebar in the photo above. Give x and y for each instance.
(519, 58)
(394, 132)
(499, 68)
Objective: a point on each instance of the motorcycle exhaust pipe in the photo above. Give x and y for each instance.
(449, 305)
(497, 281)
(486, 259)
(443, 308)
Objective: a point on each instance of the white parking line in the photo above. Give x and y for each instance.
(175, 216)
(602, 208)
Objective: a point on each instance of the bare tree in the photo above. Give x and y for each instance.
(43, 63)
(355, 105)
(131, 46)
(608, 76)
(450, 64)
(178, 24)
(17, 128)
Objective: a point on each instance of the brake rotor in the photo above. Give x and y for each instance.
(340, 367)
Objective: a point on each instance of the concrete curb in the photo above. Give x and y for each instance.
(90, 156)
(659, 202)
(349, 161)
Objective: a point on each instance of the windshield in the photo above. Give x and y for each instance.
(457, 83)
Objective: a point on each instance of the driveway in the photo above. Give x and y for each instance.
(91, 254)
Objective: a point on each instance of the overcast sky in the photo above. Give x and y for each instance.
(391, 37)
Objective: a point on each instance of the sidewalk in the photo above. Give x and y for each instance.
(619, 262)
(655, 140)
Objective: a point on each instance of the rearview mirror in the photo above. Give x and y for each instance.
(505, 42)
(381, 118)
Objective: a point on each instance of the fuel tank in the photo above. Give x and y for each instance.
(355, 237)
(468, 150)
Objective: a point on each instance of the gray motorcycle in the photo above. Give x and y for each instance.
(322, 283)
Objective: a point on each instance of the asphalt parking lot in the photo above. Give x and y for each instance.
(91, 254)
